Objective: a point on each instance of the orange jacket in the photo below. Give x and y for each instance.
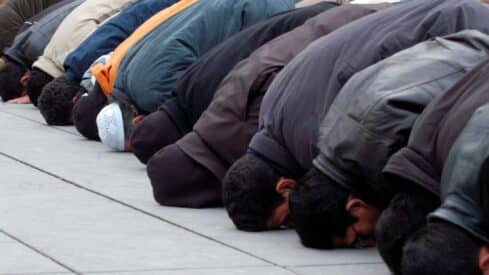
(105, 74)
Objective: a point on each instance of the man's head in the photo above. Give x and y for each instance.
(85, 111)
(11, 85)
(326, 215)
(56, 101)
(443, 248)
(37, 80)
(405, 214)
(115, 124)
(255, 195)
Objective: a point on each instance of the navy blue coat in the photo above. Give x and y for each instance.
(106, 38)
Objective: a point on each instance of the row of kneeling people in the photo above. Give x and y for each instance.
(357, 124)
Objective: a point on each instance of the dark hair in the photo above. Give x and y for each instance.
(317, 209)
(249, 193)
(484, 188)
(56, 101)
(37, 80)
(441, 248)
(85, 111)
(405, 214)
(10, 75)
(128, 113)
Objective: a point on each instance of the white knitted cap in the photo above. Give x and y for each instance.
(110, 126)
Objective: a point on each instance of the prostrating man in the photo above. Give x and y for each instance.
(221, 134)
(196, 88)
(456, 238)
(28, 46)
(104, 72)
(13, 14)
(150, 69)
(300, 97)
(56, 99)
(417, 168)
(369, 121)
(80, 23)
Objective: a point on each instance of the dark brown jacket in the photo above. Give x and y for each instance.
(224, 130)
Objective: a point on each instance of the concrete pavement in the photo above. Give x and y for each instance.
(68, 205)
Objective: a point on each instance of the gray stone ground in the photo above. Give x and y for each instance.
(68, 205)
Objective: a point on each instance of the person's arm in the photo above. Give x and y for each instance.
(465, 178)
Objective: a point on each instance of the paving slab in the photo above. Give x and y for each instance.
(19, 259)
(119, 176)
(209, 271)
(90, 233)
(365, 269)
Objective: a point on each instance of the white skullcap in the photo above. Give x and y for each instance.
(111, 127)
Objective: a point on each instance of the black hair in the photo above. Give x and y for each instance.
(56, 101)
(484, 187)
(441, 248)
(10, 76)
(85, 110)
(249, 193)
(37, 80)
(405, 214)
(317, 210)
(128, 113)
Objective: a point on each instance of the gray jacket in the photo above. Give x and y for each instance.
(464, 183)
(375, 111)
(30, 44)
(301, 94)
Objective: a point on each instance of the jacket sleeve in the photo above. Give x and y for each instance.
(464, 178)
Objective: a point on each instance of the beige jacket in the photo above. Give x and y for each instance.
(77, 26)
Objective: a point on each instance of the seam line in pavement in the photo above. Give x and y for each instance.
(39, 252)
(141, 210)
